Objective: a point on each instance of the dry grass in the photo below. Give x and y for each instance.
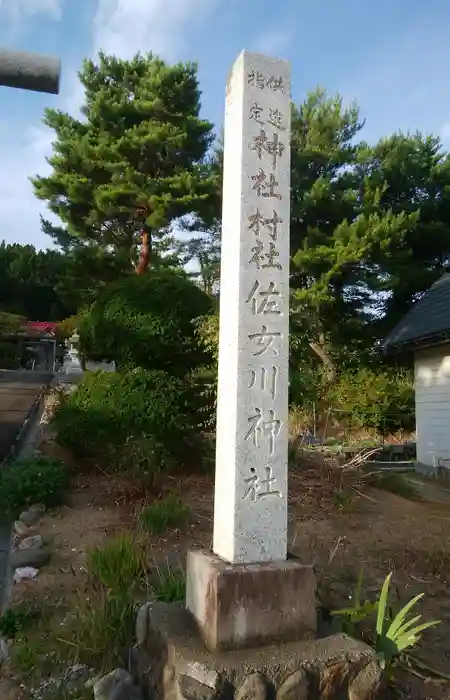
(338, 521)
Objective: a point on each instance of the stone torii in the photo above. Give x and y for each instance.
(30, 71)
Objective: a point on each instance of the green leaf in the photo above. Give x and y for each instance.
(407, 625)
(412, 636)
(401, 615)
(382, 604)
(358, 589)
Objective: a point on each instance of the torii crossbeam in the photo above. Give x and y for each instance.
(30, 71)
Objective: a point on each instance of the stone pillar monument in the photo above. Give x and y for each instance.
(249, 558)
(247, 628)
(250, 511)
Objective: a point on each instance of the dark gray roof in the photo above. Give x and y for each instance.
(427, 320)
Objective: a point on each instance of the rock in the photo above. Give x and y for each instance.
(334, 680)
(192, 689)
(9, 690)
(21, 529)
(25, 573)
(369, 684)
(36, 558)
(76, 675)
(134, 694)
(133, 662)
(117, 685)
(4, 651)
(294, 687)
(32, 515)
(255, 687)
(142, 624)
(32, 542)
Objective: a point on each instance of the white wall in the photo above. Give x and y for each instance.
(432, 384)
(105, 366)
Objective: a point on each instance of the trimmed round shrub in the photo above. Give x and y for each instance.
(147, 321)
(140, 418)
(34, 479)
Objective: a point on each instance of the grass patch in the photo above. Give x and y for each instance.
(343, 498)
(169, 584)
(394, 483)
(16, 620)
(437, 561)
(100, 631)
(34, 479)
(99, 628)
(161, 515)
(119, 565)
(24, 656)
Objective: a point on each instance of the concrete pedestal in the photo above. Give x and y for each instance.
(173, 664)
(242, 605)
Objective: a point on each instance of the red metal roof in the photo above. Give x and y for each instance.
(42, 326)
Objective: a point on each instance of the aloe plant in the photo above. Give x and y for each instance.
(393, 634)
(400, 633)
(358, 611)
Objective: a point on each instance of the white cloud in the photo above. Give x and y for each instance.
(23, 155)
(15, 10)
(273, 43)
(124, 27)
(121, 27)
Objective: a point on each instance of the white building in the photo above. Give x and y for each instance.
(425, 330)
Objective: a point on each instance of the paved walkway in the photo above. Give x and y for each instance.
(18, 393)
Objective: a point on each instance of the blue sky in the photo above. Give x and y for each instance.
(392, 57)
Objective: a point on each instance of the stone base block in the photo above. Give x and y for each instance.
(173, 664)
(242, 605)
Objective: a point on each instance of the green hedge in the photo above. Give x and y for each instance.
(139, 418)
(147, 321)
(34, 479)
(10, 351)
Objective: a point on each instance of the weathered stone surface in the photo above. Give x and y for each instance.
(21, 529)
(250, 505)
(5, 648)
(117, 685)
(369, 684)
(133, 662)
(203, 674)
(32, 515)
(294, 687)
(335, 668)
(142, 624)
(192, 689)
(35, 558)
(255, 687)
(9, 690)
(242, 605)
(334, 680)
(32, 542)
(77, 674)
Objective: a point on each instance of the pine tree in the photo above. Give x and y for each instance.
(133, 163)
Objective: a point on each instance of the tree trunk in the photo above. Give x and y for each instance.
(319, 349)
(145, 253)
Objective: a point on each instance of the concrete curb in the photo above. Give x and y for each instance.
(19, 444)
(21, 437)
